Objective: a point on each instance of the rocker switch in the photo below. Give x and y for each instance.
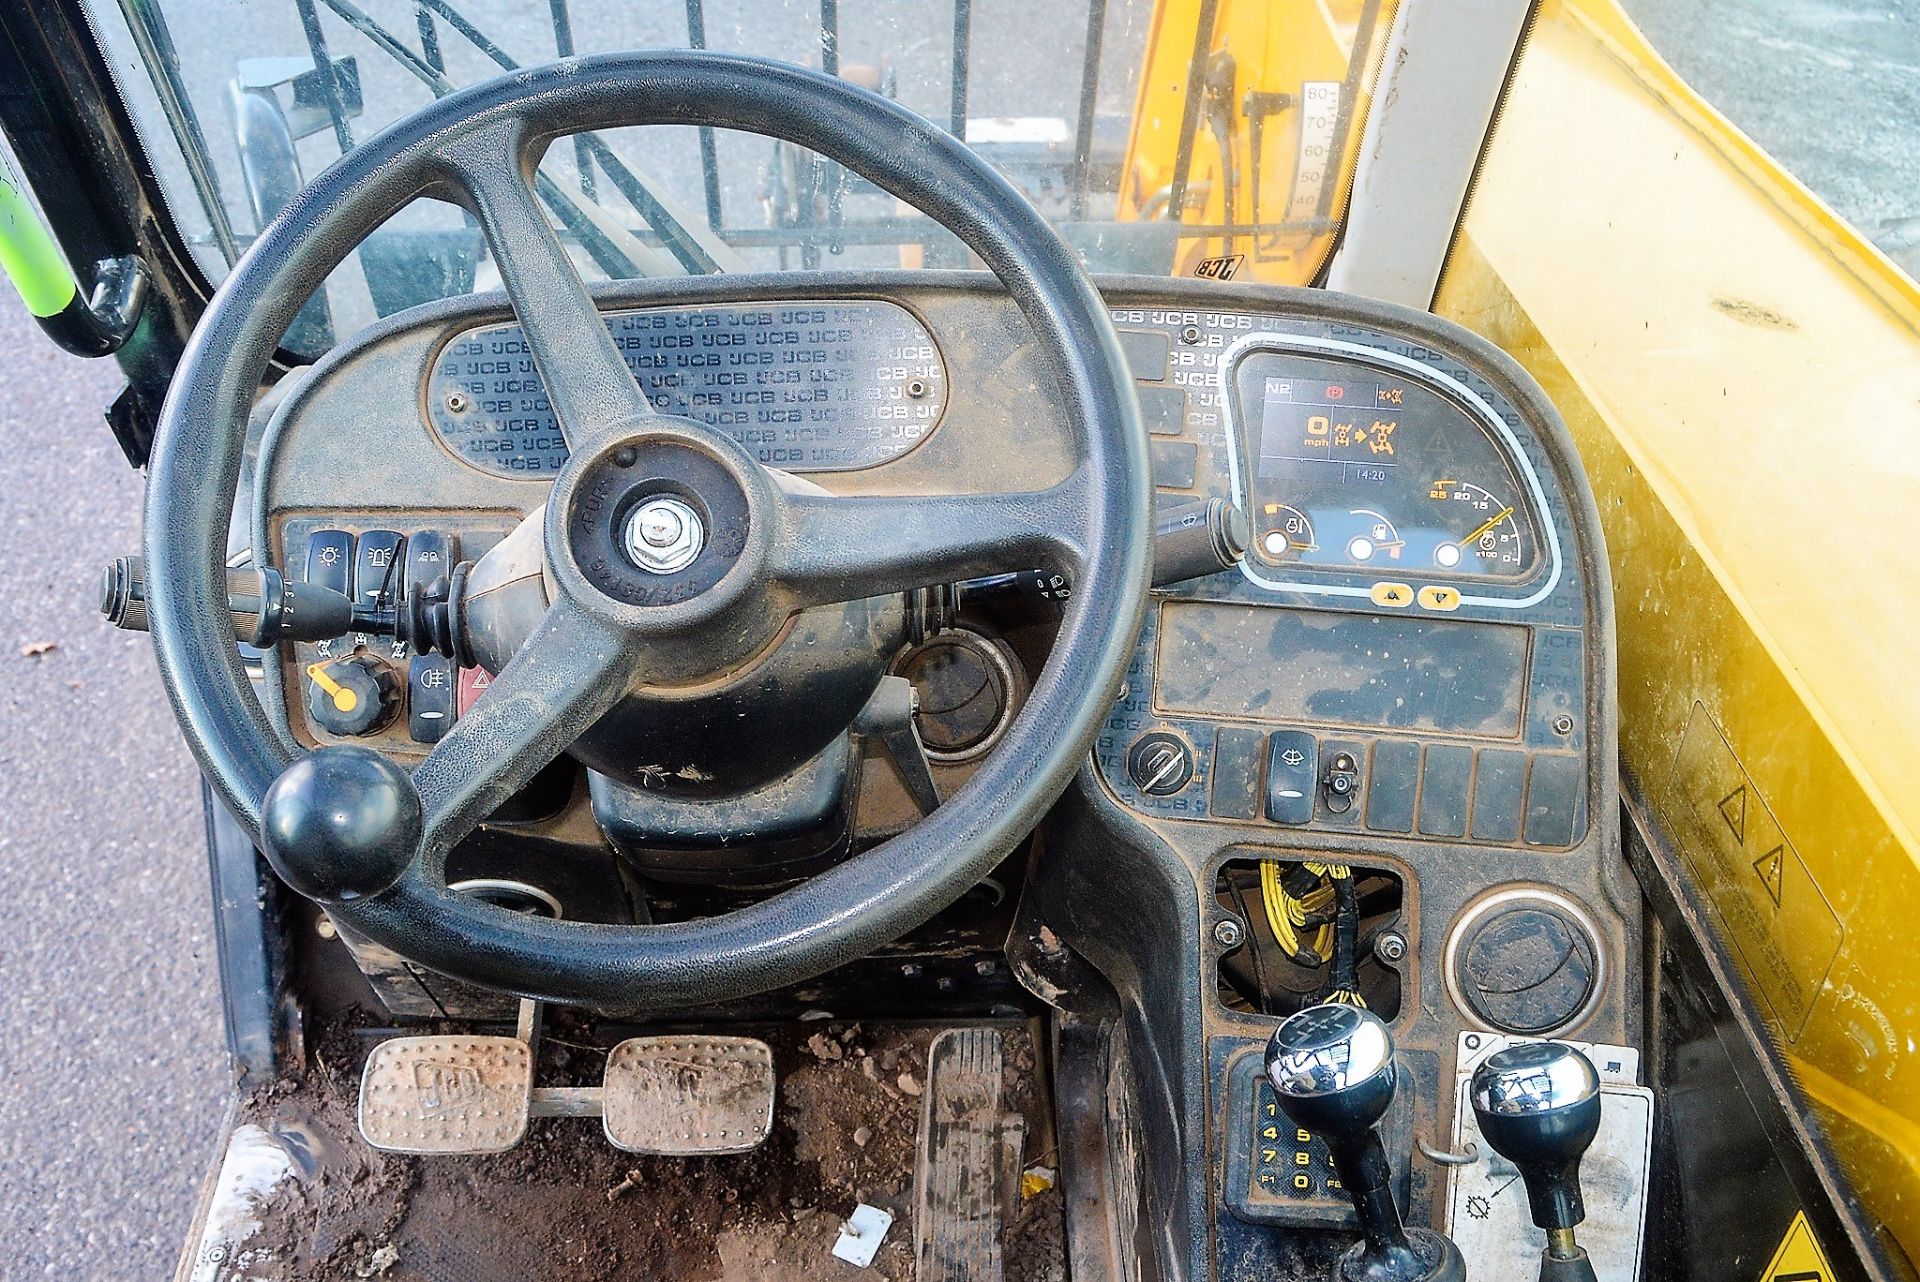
(430, 557)
(430, 698)
(330, 560)
(373, 565)
(1293, 776)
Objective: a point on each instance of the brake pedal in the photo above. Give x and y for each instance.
(961, 1180)
(688, 1096)
(446, 1094)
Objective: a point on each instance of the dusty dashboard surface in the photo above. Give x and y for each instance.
(1409, 673)
(808, 385)
(1409, 676)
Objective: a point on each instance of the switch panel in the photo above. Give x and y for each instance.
(357, 555)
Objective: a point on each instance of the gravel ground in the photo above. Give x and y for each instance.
(1830, 88)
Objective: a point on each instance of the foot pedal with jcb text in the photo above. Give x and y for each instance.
(968, 1161)
(689, 1095)
(683, 1096)
(447, 1094)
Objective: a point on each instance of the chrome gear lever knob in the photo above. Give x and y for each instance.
(1538, 1106)
(1332, 1068)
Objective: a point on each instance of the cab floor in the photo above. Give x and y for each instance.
(566, 1204)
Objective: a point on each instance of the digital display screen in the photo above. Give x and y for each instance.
(1358, 469)
(1386, 672)
(1315, 420)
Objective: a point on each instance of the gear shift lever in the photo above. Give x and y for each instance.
(1538, 1105)
(1332, 1067)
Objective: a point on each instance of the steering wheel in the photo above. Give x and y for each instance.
(350, 828)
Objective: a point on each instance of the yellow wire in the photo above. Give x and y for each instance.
(1276, 901)
(1286, 915)
(1319, 898)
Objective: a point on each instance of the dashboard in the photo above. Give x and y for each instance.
(1406, 607)
(1409, 672)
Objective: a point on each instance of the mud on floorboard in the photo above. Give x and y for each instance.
(567, 1205)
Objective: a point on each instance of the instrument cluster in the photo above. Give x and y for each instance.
(1351, 465)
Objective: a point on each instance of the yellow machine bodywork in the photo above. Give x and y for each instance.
(1742, 373)
(1295, 64)
(1741, 370)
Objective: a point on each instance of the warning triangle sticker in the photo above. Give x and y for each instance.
(1771, 867)
(1799, 1258)
(1733, 809)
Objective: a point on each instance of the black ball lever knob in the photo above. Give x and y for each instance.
(1332, 1068)
(341, 824)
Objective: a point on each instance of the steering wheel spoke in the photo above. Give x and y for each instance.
(834, 548)
(588, 383)
(572, 670)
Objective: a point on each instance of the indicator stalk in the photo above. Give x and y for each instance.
(267, 607)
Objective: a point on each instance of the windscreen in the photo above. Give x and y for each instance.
(1164, 137)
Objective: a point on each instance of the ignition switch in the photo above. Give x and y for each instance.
(1340, 783)
(1160, 764)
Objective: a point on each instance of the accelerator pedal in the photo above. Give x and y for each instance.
(688, 1095)
(969, 1151)
(447, 1094)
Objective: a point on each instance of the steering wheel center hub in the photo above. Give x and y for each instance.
(659, 518)
(664, 535)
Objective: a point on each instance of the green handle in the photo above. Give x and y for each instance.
(31, 260)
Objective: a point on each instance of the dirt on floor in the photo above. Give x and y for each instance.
(565, 1204)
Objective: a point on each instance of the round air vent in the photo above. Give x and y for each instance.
(1526, 962)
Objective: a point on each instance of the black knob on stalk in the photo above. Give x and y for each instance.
(341, 824)
(1192, 538)
(1538, 1106)
(1332, 1067)
(265, 606)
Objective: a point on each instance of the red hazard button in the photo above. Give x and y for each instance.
(473, 683)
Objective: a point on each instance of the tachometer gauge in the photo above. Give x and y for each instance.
(1285, 531)
(1491, 542)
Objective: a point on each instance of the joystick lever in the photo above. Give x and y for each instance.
(1538, 1106)
(1332, 1068)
